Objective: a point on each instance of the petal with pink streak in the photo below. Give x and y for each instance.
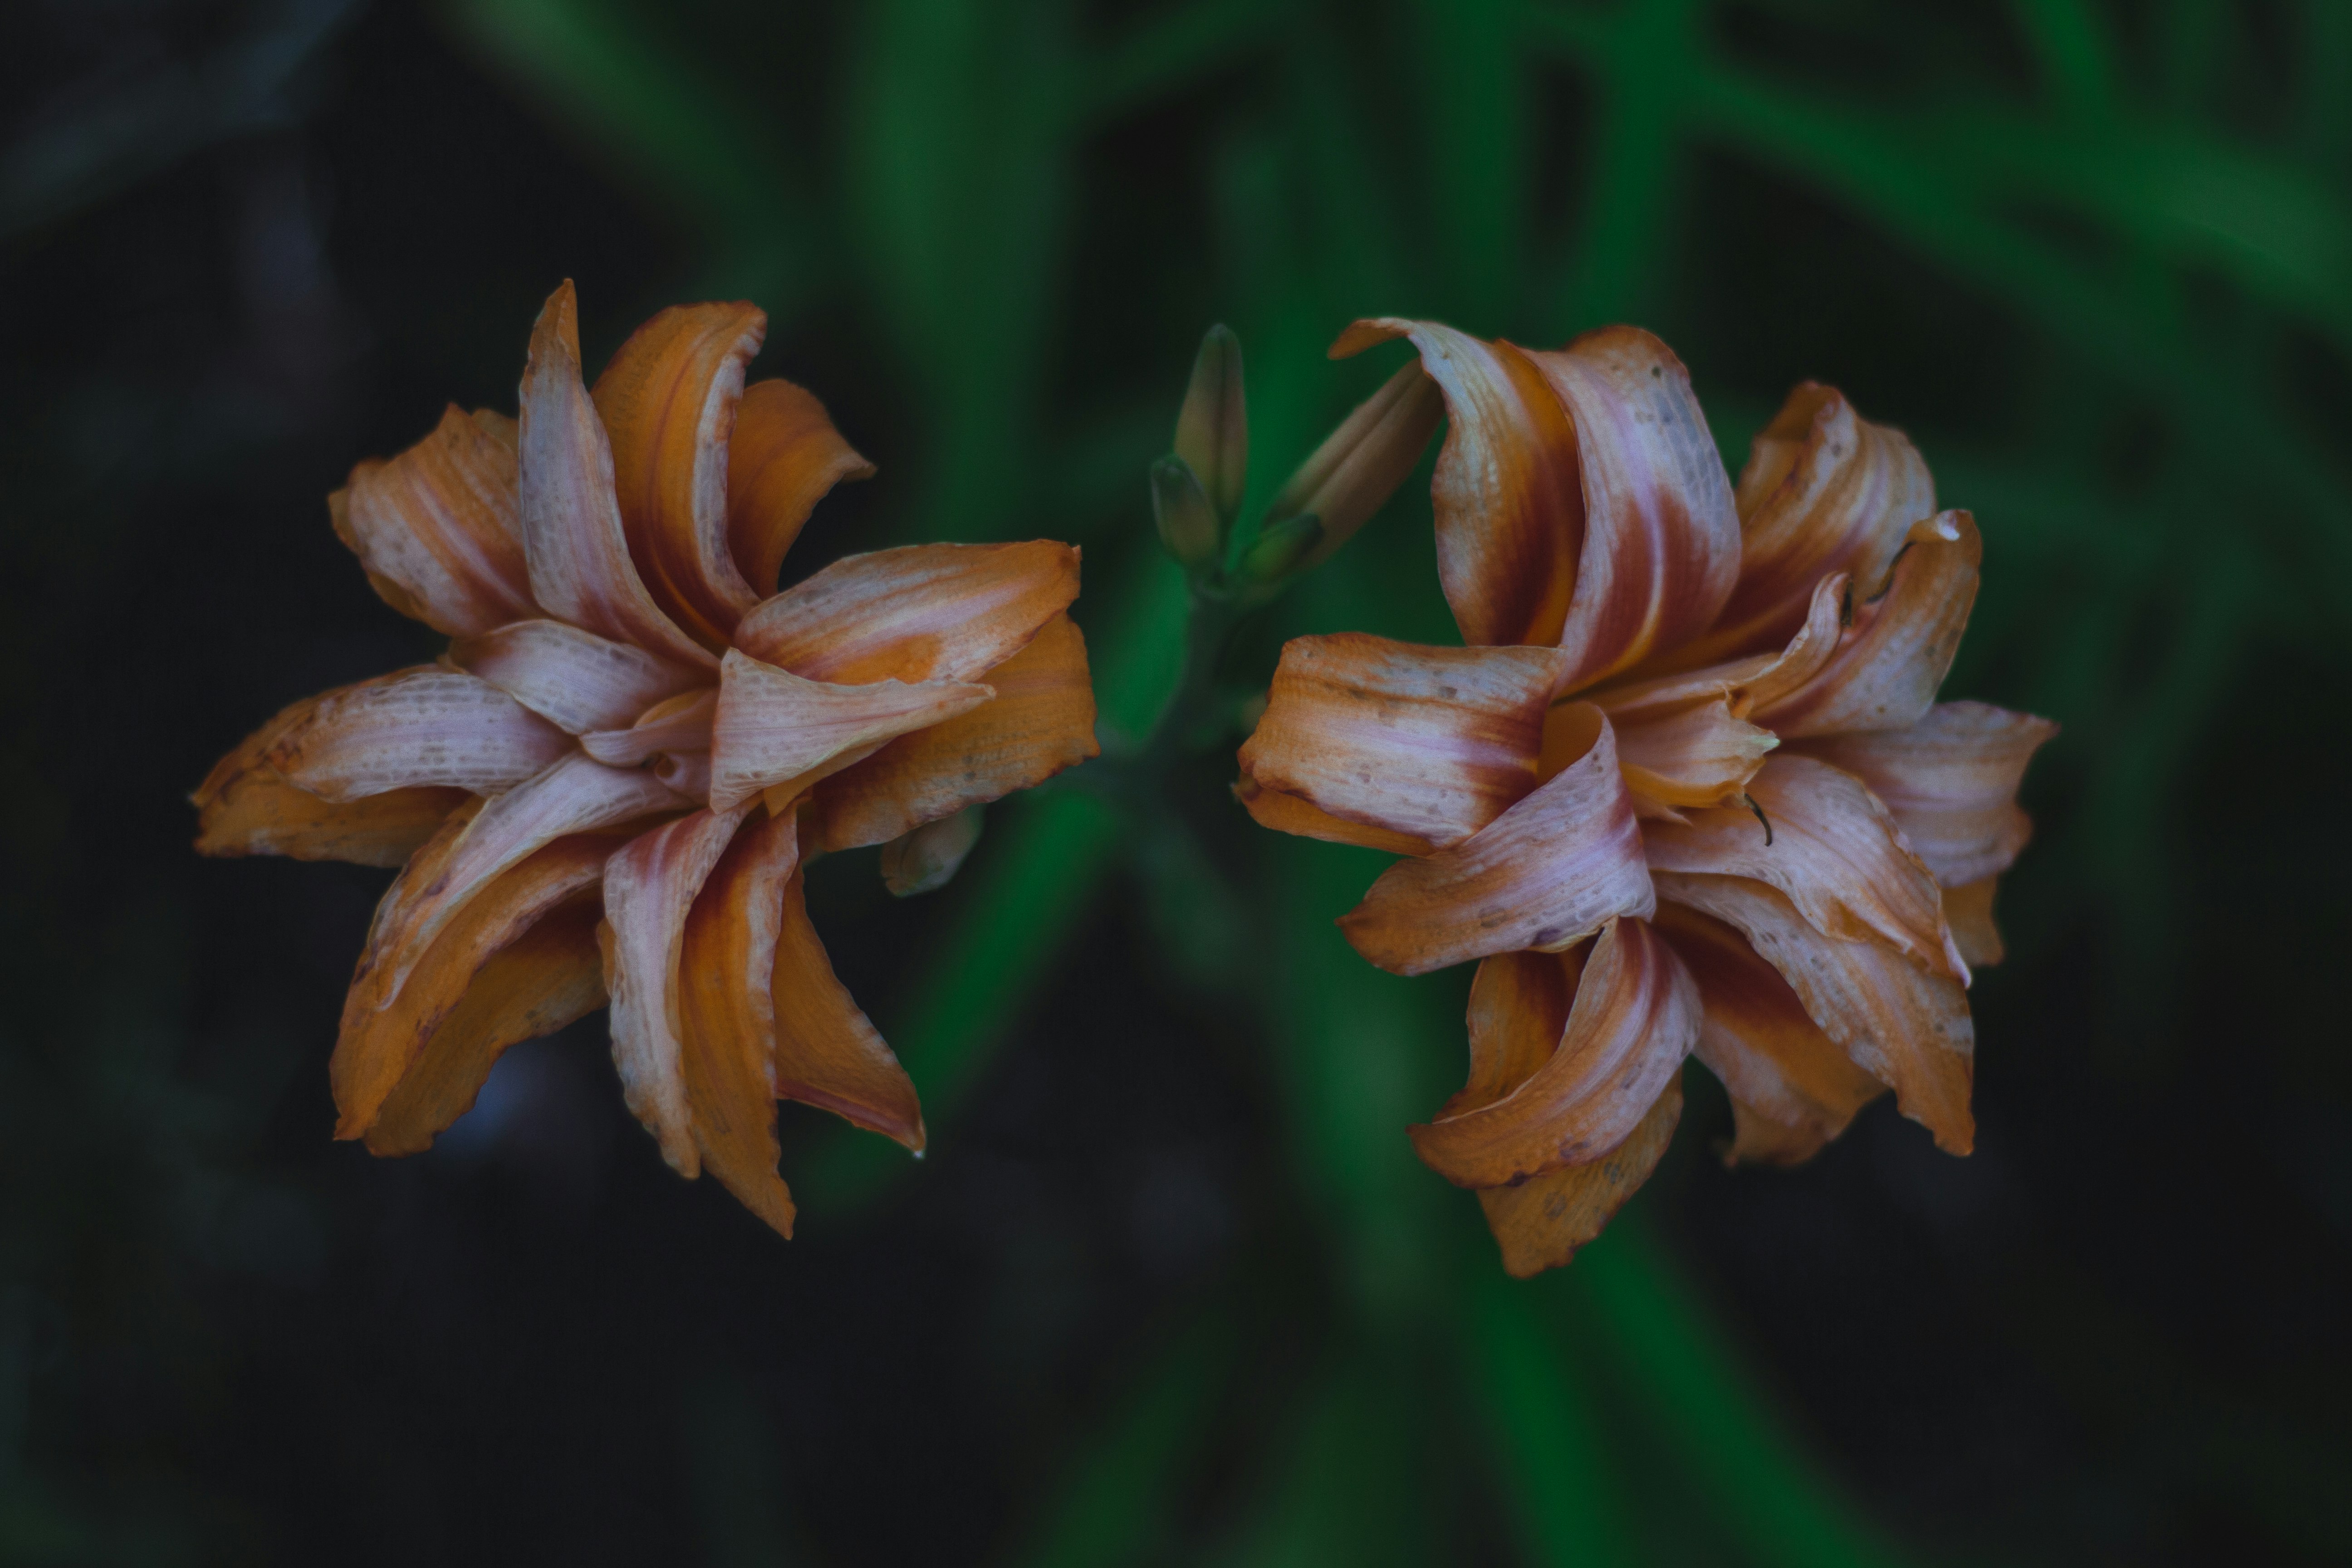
(1546, 874)
(574, 680)
(423, 726)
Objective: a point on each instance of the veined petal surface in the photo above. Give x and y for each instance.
(1041, 721)
(581, 569)
(1296, 814)
(1634, 1017)
(1430, 743)
(827, 1054)
(417, 727)
(680, 723)
(378, 1043)
(650, 884)
(784, 456)
(1905, 1027)
(1951, 782)
(772, 725)
(544, 979)
(576, 680)
(1700, 755)
(921, 612)
(1540, 1223)
(245, 806)
(438, 530)
(1825, 490)
(728, 1015)
(1547, 873)
(1832, 849)
(668, 402)
(578, 795)
(1792, 1090)
(1614, 474)
(1890, 661)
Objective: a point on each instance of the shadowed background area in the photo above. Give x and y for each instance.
(1170, 1285)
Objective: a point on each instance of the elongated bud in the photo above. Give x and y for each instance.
(1282, 547)
(924, 859)
(1213, 430)
(1361, 464)
(1188, 524)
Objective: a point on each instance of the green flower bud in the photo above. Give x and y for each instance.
(1213, 430)
(1188, 524)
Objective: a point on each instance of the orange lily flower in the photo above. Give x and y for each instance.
(1688, 788)
(608, 787)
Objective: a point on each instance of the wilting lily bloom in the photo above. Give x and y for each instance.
(1688, 788)
(607, 788)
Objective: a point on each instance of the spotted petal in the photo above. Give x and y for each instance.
(581, 570)
(245, 806)
(1546, 874)
(1905, 1027)
(668, 401)
(922, 612)
(1540, 1223)
(1580, 499)
(1792, 1090)
(438, 530)
(427, 726)
(1888, 664)
(649, 886)
(1430, 743)
(1041, 721)
(773, 726)
(576, 680)
(1826, 842)
(1634, 1017)
(827, 1054)
(1951, 782)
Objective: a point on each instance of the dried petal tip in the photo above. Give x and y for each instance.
(927, 859)
(1213, 430)
(1189, 526)
(1360, 464)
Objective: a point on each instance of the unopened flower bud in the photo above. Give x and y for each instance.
(1213, 430)
(1281, 548)
(926, 858)
(1361, 464)
(1188, 524)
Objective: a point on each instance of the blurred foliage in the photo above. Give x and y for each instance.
(2096, 259)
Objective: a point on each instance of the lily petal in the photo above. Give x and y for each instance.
(417, 727)
(246, 808)
(1699, 756)
(1825, 490)
(1296, 813)
(1888, 664)
(1546, 874)
(377, 1044)
(1519, 1004)
(1430, 743)
(574, 680)
(772, 725)
(1831, 847)
(1969, 909)
(1747, 682)
(1951, 782)
(1583, 504)
(921, 612)
(667, 400)
(827, 1054)
(1540, 1223)
(1792, 1090)
(727, 1008)
(1903, 1026)
(650, 883)
(437, 531)
(680, 723)
(782, 460)
(578, 795)
(1041, 721)
(544, 979)
(1634, 1017)
(581, 570)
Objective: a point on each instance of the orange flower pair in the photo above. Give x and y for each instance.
(1687, 791)
(606, 787)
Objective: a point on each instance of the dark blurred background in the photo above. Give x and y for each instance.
(1171, 1287)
